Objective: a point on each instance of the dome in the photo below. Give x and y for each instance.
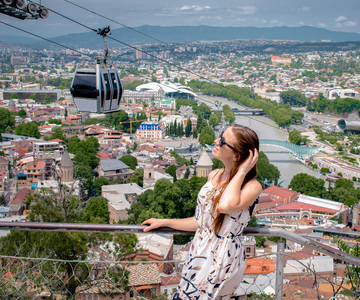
(204, 160)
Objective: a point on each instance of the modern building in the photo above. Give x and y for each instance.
(341, 93)
(170, 89)
(349, 125)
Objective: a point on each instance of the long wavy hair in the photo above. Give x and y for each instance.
(247, 140)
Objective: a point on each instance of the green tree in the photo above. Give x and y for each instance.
(14, 96)
(207, 136)
(6, 119)
(353, 272)
(295, 137)
(188, 128)
(266, 171)
(171, 170)
(58, 134)
(308, 185)
(98, 183)
(71, 144)
(137, 177)
(22, 113)
(130, 161)
(260, 241)
(252, 221)
(217, 164)
(96, 211)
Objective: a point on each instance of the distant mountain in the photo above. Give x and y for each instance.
(18, 40)
(178, 34)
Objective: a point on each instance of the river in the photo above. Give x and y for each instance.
(268, 129)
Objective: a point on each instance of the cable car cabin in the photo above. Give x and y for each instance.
(97, 90)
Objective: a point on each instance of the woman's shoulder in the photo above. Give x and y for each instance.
(213, 174)
(254, 184)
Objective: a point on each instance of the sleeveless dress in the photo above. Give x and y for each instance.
(215, 264)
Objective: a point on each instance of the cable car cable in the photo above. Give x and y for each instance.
(158, 58)
(154, 56)
(40, 37)
(127, 27)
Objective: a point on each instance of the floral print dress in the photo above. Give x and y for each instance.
(215, 264)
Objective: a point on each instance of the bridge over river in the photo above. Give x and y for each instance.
(299, 152)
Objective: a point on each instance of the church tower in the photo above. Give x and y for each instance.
(149, 177)
(66, 167)
(204, 165)
(11, 106)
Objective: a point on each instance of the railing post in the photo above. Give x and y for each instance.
(279, 271)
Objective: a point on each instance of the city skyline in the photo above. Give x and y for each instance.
(339, 16)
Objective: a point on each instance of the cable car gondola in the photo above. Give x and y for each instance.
(98, 88)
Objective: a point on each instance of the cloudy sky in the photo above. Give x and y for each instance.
(330, 14)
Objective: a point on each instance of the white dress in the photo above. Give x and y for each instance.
(215, 264)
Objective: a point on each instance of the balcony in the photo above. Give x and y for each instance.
(102, 277)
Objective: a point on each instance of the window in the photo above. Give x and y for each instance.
(264, 268)
(248, 249)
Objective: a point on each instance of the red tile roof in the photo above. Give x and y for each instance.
(296, 206)
(279, 194)
(20, 196)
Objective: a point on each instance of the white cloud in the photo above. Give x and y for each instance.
(304, 8)
(274, 22)
(247, 10)
(193, 8)
(350, 24)
(301, 23)
(322, 25)
(340, 19)
(338, 25)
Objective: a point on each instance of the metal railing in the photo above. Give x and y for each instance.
(33, 277)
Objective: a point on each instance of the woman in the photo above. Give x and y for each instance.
(216, 261)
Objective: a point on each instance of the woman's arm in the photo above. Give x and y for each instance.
(188, 224)
(234, 198)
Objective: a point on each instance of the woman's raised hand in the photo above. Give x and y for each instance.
(250, 162)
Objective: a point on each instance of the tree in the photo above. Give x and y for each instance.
(137, 177)
(260, 241)
(188, 128)
(71, 143)
(207, 136)
(22, 113)
(171, 170)
(252, 221)
(324, 170)
(14, 96)
(6, 119)
(58, 134)
(266, 171)
(187, 173)
(96, 211)
(130, 161)
(353, 272)
(33, 97)
(308, 185)
(214, 120)
(217, 164)
(98, 183)
(295, 137)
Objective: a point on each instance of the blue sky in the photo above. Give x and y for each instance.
(330, 14)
